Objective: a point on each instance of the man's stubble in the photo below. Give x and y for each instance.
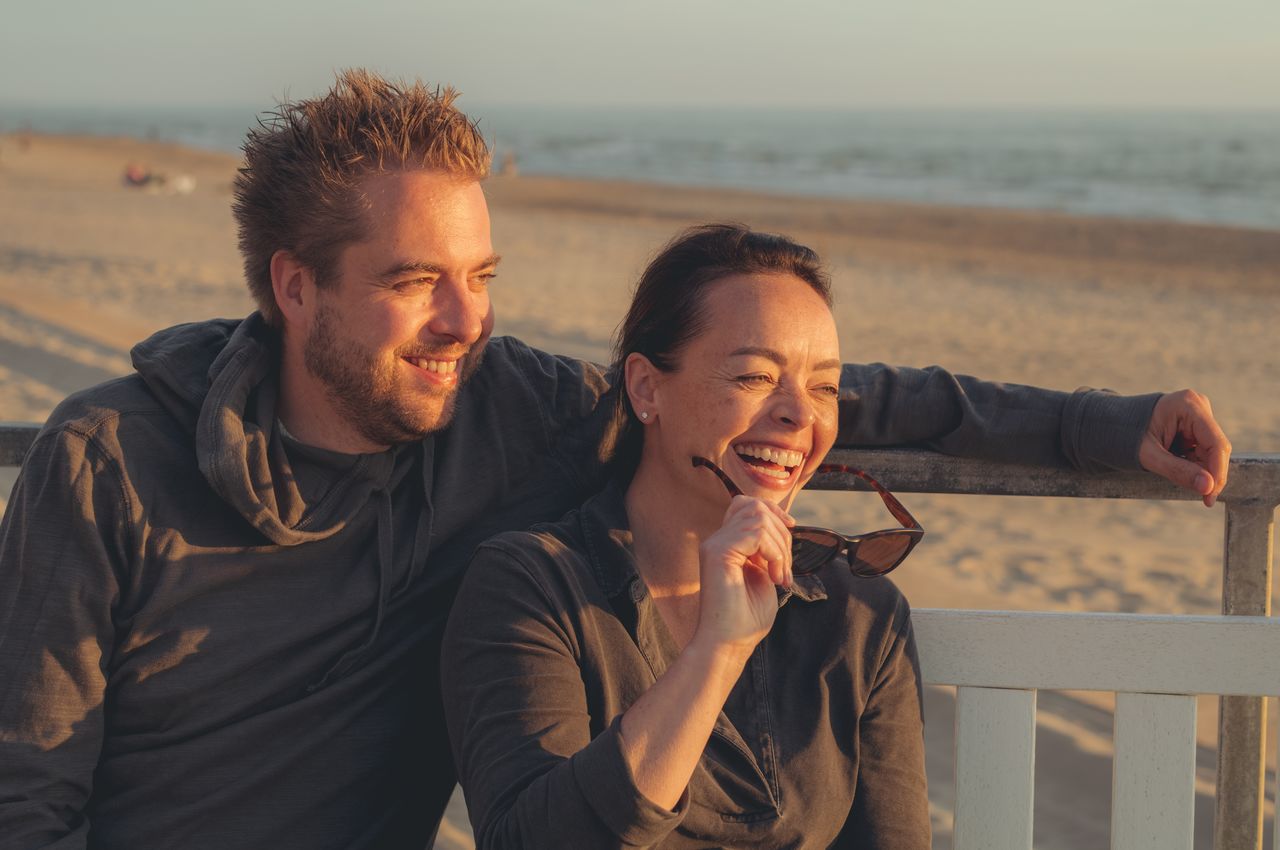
(369, 392)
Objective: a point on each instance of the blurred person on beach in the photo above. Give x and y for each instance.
(224, 578)
(668, 668)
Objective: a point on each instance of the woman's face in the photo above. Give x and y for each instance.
(755, 392)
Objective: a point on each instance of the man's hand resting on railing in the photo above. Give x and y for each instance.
(1184, 444)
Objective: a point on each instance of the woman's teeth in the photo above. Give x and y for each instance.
(784, 459)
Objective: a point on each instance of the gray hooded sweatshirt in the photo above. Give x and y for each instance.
(212, 636)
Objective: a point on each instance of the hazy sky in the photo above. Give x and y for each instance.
(808, 53)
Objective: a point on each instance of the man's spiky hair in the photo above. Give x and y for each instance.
(299, 187)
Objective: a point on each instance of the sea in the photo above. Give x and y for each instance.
(1220, 167)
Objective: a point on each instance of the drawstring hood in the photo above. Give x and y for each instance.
(386, 534)
(220, 380)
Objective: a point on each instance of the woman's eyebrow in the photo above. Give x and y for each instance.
(758, 351)
(778, 357)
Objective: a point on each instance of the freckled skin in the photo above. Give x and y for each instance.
(719, 397)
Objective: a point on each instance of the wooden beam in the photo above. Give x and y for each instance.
(1153, 794)
(1145, 653)
(995, 768)
(15, 439)
(1252, 477)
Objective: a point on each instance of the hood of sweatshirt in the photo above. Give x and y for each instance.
(219, 379)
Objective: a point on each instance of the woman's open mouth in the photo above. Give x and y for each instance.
(774, 463)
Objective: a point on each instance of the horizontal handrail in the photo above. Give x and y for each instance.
(15, 439)
(1252, 478)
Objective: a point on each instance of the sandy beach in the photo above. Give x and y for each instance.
(89, 267)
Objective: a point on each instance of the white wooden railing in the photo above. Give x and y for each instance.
(1251, 496)
(1155, 664)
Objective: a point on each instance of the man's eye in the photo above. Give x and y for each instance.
(828, 390)
(482, 280)
(755, 379)
(415, 283)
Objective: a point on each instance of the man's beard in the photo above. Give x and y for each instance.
(369, 392)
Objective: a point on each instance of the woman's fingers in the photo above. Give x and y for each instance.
(783, 577)
(780, 546)
(763, 536)
(787, 519)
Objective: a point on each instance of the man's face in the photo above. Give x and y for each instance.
(404, 324)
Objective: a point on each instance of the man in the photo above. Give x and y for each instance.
(224, 577)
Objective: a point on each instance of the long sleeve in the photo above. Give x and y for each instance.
(1091, 430)
(521, 730)
(60, 546)
(881, 405)
(891, 802)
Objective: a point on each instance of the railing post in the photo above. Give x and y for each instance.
(1242, 721)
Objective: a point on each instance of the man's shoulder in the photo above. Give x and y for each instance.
(537, 399)
(163, 395)
(541, 542)
(119, 414)
(508, 359)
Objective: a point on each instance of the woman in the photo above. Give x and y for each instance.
(650, 671)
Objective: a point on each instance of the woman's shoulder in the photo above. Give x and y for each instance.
(543, 550)
(521, 587)
(552, 556)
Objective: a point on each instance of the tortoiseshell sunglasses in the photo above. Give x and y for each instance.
(872, 554)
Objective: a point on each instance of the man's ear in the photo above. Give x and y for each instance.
(642, 381)
(294, 286)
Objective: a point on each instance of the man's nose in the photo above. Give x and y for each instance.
(458, 312)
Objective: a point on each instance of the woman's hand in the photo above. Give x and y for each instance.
(665, 731)
(741, 564)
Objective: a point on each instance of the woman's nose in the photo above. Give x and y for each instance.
(794, 408)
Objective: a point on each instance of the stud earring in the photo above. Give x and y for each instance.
(644, 415)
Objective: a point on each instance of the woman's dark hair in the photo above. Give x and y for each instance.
(668, 309)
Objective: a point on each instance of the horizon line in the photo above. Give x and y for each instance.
(683, 107)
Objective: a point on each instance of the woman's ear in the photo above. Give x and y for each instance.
(641, 380)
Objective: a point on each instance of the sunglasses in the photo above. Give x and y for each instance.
(869, 555)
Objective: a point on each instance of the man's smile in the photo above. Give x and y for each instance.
(442, 373)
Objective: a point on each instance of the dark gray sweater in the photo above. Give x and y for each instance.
(213, 637)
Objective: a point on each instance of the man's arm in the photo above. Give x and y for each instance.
(60, 545)
(1173, 435)
(1090, 430)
